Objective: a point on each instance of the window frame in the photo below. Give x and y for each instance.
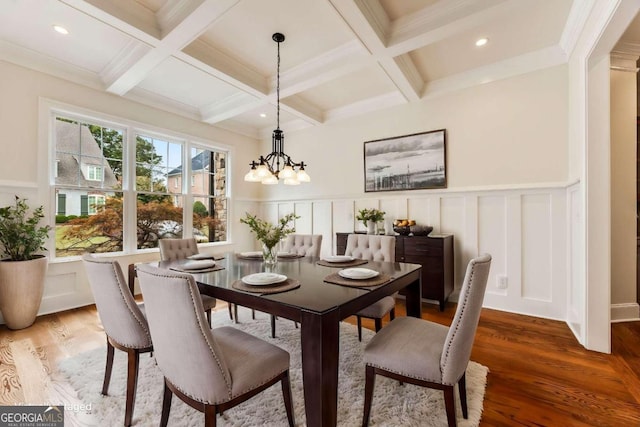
(50, 110)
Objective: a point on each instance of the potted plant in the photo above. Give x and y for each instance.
(269, 235)
(369, 218)
(22, 268)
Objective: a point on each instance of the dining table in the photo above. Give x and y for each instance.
(316, 304)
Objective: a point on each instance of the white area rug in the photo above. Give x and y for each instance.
(393, 405)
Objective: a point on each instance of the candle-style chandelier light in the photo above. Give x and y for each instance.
(267, 168)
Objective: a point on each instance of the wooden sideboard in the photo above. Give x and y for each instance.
(433, 252)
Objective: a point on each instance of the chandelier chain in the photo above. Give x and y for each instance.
(278, 90)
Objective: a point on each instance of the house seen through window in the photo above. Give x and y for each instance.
(90, 178)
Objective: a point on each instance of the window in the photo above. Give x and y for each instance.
(95, 201)
(159, 213)
(91, 173)
(88, 172)
(209, 195)
(94, 173)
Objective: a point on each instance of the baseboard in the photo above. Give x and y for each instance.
(625, 312)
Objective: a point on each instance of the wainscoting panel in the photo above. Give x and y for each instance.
(492, 238)
(322, 214)
(453, 221)
(304, 224)
(536, 245)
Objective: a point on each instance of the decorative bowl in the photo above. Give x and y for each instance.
(402, 230)
(421, 230)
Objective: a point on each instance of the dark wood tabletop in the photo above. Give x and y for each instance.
(318, 306)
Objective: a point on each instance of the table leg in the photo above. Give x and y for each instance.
(413, 297)
(132, 277)
(320, 334)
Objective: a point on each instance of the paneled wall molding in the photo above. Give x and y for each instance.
(524, 228)
(429, 193)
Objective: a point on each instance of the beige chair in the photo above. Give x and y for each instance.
(307, 245)
(123, 321)
(210, 370)
(173, 249)
(429, 354)
(374, 248)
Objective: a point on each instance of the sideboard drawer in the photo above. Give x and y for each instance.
(422, 247)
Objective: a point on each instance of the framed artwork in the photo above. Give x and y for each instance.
(408, 162)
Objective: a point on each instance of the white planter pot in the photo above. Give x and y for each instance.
(21, 288)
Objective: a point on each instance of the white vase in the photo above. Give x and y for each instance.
(371, 227)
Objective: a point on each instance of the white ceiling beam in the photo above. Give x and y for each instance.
(371, 25)
(404, 74)
(183, 33)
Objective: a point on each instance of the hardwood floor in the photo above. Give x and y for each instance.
(538, 374)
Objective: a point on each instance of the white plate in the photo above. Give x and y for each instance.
(287, 255)
(198, 264)
(201, 256)
(358, 273)
(338, 258)
(262, 279)
(256, 254)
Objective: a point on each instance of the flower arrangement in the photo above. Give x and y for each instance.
(373, 215)
(268, 234)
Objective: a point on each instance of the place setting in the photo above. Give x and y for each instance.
(202, 256)
(191, 265)
(265, 283)
(341, 261)
(358, 277)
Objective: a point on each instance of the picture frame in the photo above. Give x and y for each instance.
(407, 162)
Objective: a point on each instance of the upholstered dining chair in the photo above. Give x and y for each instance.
(307, 245)
(123, 321)
(173, 249)
(374, 248)
(429, 354)
(211, 370)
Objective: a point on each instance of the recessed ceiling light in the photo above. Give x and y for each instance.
(61, 29)
(263, 115)
(482, 41)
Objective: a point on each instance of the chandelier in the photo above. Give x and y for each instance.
(267, 168)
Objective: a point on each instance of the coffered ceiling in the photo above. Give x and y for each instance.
(215, 61)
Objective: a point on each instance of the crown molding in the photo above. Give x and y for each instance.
(623, 61)
(128, 56)
(231, 106)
